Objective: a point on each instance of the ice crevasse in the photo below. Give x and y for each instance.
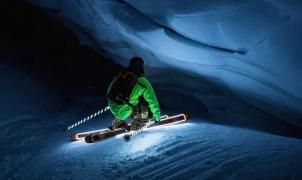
(252, 48)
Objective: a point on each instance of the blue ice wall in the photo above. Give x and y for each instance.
(251, 48)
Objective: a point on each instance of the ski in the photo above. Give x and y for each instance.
(127, 137)
(82, 135)
(106, 134)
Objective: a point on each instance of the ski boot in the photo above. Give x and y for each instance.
(140, 118)
(137, 124)
(116, 124)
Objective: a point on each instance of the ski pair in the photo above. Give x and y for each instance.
(103, 134)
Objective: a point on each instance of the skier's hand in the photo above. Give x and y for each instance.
(155, 120)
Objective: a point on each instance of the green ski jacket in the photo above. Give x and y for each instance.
(123, 111)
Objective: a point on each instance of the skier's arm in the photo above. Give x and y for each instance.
(150, 97)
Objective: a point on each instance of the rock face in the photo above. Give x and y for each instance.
(251, 48)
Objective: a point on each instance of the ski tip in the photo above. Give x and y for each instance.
(187, 115)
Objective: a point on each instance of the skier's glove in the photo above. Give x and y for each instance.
(155, 120)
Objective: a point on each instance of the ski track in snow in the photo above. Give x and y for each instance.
(194, 150)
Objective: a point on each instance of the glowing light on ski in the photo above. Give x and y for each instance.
(80, 136)
(130, 134)
(87, 118)
(106, 133)
(133, 133)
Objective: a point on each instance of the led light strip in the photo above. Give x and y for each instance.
(77, 137)
(87, 118)
(133, 133)
(184, 120)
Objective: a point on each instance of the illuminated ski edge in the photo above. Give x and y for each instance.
(149, 124)
(75, 136)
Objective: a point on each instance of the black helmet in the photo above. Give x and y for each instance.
(136, 65)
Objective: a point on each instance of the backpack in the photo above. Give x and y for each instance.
(122, 86)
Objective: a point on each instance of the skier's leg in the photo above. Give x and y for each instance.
(116, 123)
(140, 118)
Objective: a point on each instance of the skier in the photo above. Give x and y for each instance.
(130, 94)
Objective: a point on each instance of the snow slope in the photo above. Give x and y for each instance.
(195, 150)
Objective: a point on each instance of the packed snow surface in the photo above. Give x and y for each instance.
(194, 150)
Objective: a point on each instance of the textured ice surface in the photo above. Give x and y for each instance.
(249, 47)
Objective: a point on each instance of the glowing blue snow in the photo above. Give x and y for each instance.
(152, 137)
(143, 142)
